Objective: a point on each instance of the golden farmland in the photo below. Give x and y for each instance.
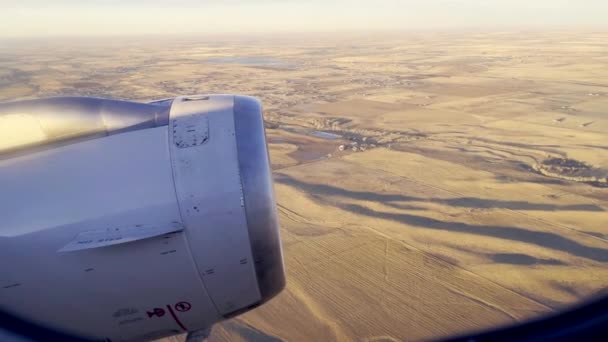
(428, 184)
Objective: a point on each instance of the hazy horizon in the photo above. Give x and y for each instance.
(37, 18)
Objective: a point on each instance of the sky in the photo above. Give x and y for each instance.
(36, 18)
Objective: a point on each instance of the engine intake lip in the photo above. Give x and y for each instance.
(258, 193)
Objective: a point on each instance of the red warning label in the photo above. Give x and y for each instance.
(156, 312)
(183, 306)
(179, 307)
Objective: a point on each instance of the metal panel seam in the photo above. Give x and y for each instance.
(179, 207)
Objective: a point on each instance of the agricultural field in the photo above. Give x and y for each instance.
(428, 184)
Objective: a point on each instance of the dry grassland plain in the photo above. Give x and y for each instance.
(428, 184)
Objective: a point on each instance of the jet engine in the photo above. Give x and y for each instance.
(126, 221)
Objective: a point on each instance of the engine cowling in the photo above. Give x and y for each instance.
(132, 221)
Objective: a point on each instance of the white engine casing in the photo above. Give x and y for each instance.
(137, 231)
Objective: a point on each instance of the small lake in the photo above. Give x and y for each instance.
(256, 61)
(325, 135)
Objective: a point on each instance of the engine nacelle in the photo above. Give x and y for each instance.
(135, 221)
